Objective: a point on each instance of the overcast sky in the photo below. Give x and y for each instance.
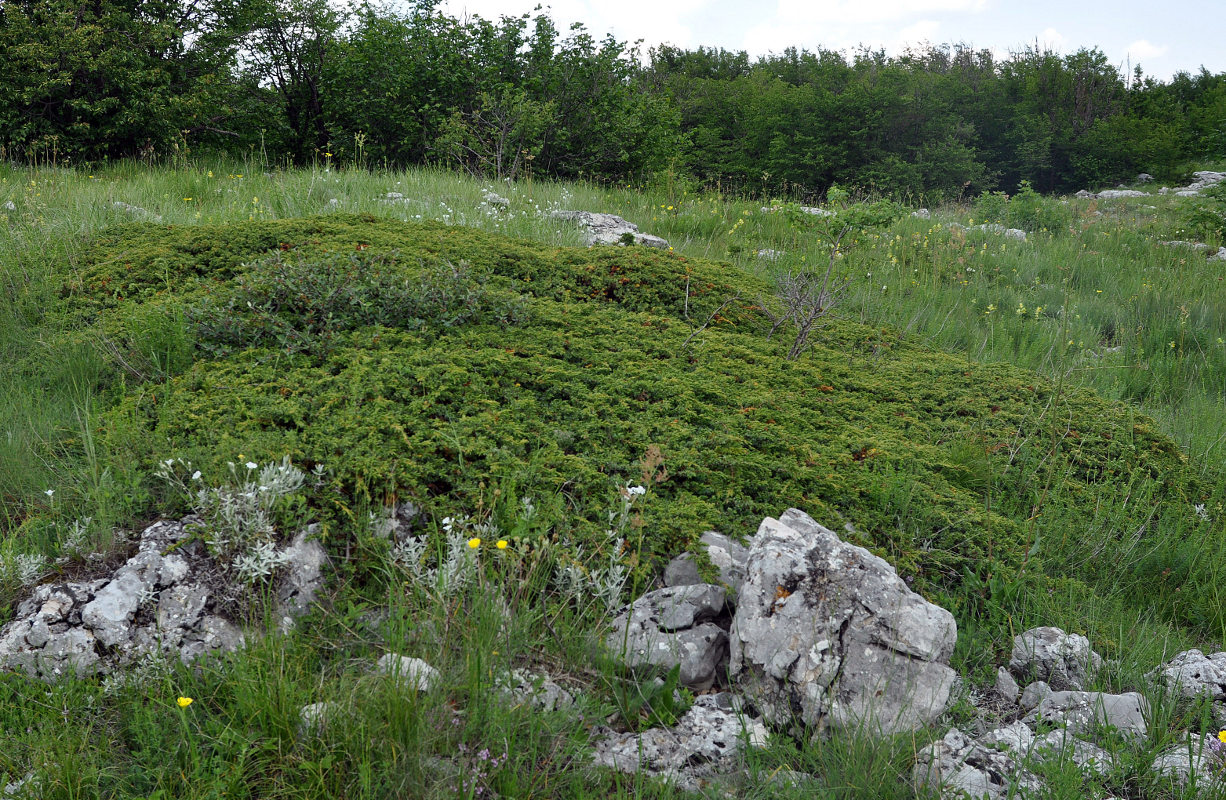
(1163, 37)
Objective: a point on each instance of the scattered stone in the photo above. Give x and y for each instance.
(535, 688)
(1006, 687)
(1059, 744)
(1180, 243)
(958, 766)
(1191, 762)
(1064, 660)
(727, 555)
(303, 578)
(674, 626)
(1085, 195)
(313, 718)
(706, 743)
(135, 211)
(1082, 712)
(1113, 194)
(9, 205)
(609, 229)
(921, 213)
(1144, 177)
(412, 673)
(26, 786)
(827, 633)
(495, 199)
(392, 197)
(163, 599)
(1193, 674)
(1034, 695)
(811, 210)
(771, 255)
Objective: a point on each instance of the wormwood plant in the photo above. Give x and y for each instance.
(238, 519)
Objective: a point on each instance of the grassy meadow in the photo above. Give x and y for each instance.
(1032, 431)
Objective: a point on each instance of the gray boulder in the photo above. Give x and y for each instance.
(958, 766)
(706, 742)
(674, 626)
(1112, 194)
(1144, 177)
(1193, 674)
(727, 555)
(410, 672)
(827, 634)
(1034, 695)
(1082, 712)
(609, 229)
(1192, 761)
(1064, 660)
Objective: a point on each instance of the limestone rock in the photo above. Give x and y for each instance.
(1082, 712)
(410, 672)
(826, 633)
(494, 199)
(1064, 660)
(609, 229)
(674, 626)
(1112, 194)
(727, 555)
(706, 742)
(1194, 674)
(1006, 687)
(1192, 761)
(1034, 695)
(1144, 177)
(537, 689)
(163, 599)
(958, 764)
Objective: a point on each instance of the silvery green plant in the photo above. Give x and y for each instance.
(455, 569)
(606, 583)
(236, 518)
(22, 569)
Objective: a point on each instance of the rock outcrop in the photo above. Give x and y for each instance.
(706, 742)
(675, 626)
(827, 635)
(609, 229)
(164, 599)
(1063, 660)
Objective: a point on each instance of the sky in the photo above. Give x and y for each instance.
(1163, 37)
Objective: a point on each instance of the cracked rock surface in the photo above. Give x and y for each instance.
(706, 742)
(165, 598)
(827, 633)
(609, 229)
(674, 626)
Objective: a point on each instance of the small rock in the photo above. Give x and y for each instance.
(674, 627)
(1034, 695)
(727, 555)
(1193, 674)
(495, 199)
(706, 742)
(959, 766)
(410, 672)
(1112, 194)
(313, 718)
(1064, 660)
(1144, 177)
(921, 213)
(1192, 761)
(9, 205)
(609, 229)
(1081, 712)
(1005, 686)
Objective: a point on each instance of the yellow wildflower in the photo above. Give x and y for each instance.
(474, 542)
(501, 544)
(184, 702)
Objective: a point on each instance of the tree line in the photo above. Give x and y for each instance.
(296, 81)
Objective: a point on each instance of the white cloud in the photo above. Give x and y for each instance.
(807, 12)
(1050, 37)
(923, 31)
(1142, 49)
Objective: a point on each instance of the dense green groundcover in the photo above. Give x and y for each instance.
(948, 469)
